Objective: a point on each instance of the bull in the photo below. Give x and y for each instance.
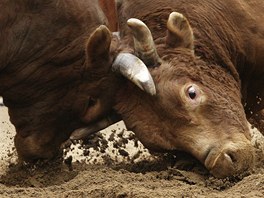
(206, 60)
(55, 75)
(204, 68)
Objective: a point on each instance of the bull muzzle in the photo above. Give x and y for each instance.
(230, 160)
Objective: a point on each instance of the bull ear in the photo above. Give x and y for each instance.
(98, 46)
(180, 33)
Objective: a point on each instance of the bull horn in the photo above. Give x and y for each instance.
(135, 70)
(143, 42)
(85, 132)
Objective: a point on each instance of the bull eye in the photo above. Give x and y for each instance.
(192, 92)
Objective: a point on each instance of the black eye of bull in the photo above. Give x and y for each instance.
(192, 92)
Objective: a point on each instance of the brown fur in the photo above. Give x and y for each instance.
(109, 8)
(229, 34)
(227, 66)
(48, 80)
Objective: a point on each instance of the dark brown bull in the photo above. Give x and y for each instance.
(53, 77)
(207, 64)
(43, 69)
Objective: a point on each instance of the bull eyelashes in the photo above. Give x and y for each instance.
(143, 42)
(135, 70)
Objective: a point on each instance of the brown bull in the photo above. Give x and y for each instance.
(43, 68)
(206, 59)
(53, 77)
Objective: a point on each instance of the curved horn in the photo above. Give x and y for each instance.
(135, 70)
(85, 132)
(143, 42)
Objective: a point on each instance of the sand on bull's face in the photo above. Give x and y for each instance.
(114, 164)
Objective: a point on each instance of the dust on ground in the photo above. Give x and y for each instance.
(113, 163)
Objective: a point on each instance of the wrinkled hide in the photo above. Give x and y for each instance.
(52, 77)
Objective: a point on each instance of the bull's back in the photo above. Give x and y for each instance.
(109, 8)
(39, 36)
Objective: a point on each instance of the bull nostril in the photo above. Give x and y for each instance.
(229, 161)
(230, 157)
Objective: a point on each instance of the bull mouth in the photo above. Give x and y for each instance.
(212, 158)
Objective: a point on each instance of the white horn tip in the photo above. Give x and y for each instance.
(175, 15)
(135, 70)
(145, 82)
(134, 21)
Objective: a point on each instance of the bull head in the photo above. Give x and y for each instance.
(188, 126)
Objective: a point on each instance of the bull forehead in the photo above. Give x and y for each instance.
(181, 64)
(219, 92)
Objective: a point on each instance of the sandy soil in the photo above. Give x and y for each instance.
(114, 164)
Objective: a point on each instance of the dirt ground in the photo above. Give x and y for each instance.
(114, 164)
